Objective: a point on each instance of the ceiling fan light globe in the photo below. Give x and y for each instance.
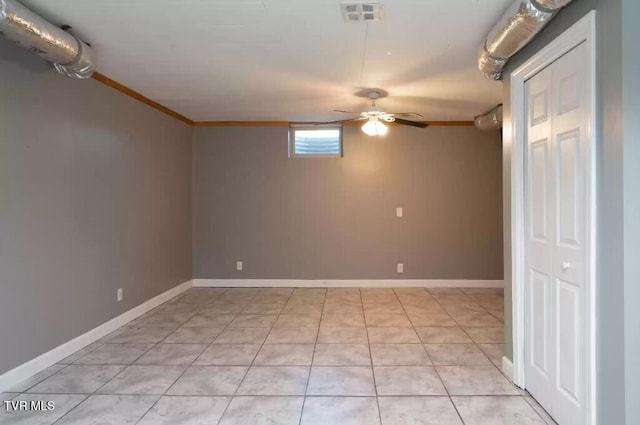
(369, 128)
(381, 129)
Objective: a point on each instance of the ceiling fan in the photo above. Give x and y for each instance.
(376, 117)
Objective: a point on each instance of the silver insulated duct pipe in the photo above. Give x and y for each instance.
(492, 120)
(69, 55)
(519, 24)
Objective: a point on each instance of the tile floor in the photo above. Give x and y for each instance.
(284, 356)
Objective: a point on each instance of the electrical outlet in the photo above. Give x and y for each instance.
(119, 295)
(238, 265)
(400, 268)
(399, 212)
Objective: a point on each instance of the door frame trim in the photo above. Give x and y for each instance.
(582, 31)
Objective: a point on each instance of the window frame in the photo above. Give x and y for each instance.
(292, 140)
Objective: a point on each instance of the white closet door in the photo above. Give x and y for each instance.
(556, 248)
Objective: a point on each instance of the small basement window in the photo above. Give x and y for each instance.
(315, 141)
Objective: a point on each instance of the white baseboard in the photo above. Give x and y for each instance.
(507, 368)
(30, 368)
(341, 283)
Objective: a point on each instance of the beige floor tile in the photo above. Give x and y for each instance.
(475, 380)
(171, 307)
(263, 411)
(264, 293)
(143, 380)
(456, 355)
(408, 380)
(427, 309)
(392, 335)
(242, 336)
(285, 355)
(109, 409)
(496, 411)
(275, 308)
(387, 319)
(342, 335)
(275, 380)
(454, 299)
(486, 335)
(138, 335)
(178, 410)
(174, 320)
(225, 307)
(77, 379)
(475, 319)
(349, 307)
(342, 320)
(490, 301)
(6, 396)
(443, 291)
(498, 314)
(36, 379)
(209, 380)
(379, 298)
(428, 320)
(228, 355)
(239, 320)
(418, 411)
(210, 320)
(340, 410)
(343, 292)
(292, 336)
(482, 291)
(383, 308)
(297, 321)
(442, 335)
(302, 309)
(342, 355)
(80, 353)
(341, 381)
(253, 321)
(192, 335)
(376, 291)
(172, 354)
(495, 352)
(115, 354)
(425, 301)
(399, 355)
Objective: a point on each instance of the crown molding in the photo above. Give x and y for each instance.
(137, 96)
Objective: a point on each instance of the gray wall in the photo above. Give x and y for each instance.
(94, 196)
(334, 218)
(631, 170)
(618, 234)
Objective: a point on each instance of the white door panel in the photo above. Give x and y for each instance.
(555, 252)
(539, 362)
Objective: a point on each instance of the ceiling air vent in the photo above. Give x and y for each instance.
(360, 12)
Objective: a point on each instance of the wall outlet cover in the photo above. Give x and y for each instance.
(399, 212)
(400, 268)
(239, 265)
(119, 294)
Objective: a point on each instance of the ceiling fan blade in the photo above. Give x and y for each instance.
(341, 121)
(411, 123)
(406, 113)
(346, 112)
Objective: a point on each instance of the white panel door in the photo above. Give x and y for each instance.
(556, 237)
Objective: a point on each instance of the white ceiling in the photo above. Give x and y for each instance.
(293, 60)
